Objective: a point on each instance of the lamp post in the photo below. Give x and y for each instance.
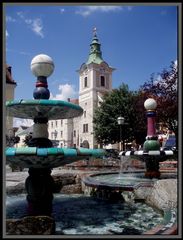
(120, 123)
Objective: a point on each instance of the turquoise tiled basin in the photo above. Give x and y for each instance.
(51, 109)
(48, 157)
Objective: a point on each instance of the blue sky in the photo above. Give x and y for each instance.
(136, 40)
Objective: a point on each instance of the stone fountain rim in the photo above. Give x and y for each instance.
(97, 184)
(169, 224)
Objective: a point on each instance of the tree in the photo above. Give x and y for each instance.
(11, 140)
(163, 88)
(119, 102)
(27, 139)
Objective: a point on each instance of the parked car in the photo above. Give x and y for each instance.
(170, 143)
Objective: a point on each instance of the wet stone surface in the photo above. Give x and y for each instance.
(79, 214)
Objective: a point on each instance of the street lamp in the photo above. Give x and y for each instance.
(121, 121)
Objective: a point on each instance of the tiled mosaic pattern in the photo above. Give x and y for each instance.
(79, 214)
(48, 157)
(51, 109)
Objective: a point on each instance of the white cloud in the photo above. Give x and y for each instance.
(35, 25)
(24, 53)
(66, 91)
(88, 10)
(19, 52)
(129, 8)
(62, 10)
(10, 19)
(175, 63)
(7, 34)
(21, 15)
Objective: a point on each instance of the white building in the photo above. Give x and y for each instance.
(9, 95)
(95, 79)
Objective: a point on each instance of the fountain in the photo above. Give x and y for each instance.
(40, 156)
(74, 214)
(151, 155)
(121, 186)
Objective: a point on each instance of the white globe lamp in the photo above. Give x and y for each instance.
(42, 65)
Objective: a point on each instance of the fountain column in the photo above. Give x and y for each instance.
(151, 143)
(40, 184)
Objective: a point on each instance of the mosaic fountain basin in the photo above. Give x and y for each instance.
(123, 181)
(79, 214)
(48, 157)
(50, 109)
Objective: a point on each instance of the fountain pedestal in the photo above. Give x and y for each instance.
(151, 143)
(39, 156)
(40, 187)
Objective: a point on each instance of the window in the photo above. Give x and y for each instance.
(52, 135)
(61, 134)
(85, 82)
(84, 113)
(52, 124)
(85, 128)
(55, 123)
(61, 122)
(102, 81)
(74, 133)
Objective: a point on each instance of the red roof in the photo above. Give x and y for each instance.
(75, 101)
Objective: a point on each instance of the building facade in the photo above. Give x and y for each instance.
(95, 79)
(10, 90)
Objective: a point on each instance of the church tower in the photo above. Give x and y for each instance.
(95, 79)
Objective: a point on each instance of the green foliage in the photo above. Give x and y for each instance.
(120, 102)
(163, 88)
(130, 105)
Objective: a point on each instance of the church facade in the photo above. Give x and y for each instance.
(95, 79)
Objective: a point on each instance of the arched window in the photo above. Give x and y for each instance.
(102, 81)
(85, 82)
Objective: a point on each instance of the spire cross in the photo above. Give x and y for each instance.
(94, 31)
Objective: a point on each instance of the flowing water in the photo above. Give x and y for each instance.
(79, 214)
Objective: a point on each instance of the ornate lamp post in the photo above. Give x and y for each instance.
(40, 184)
(121, 121)
(151, 143)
